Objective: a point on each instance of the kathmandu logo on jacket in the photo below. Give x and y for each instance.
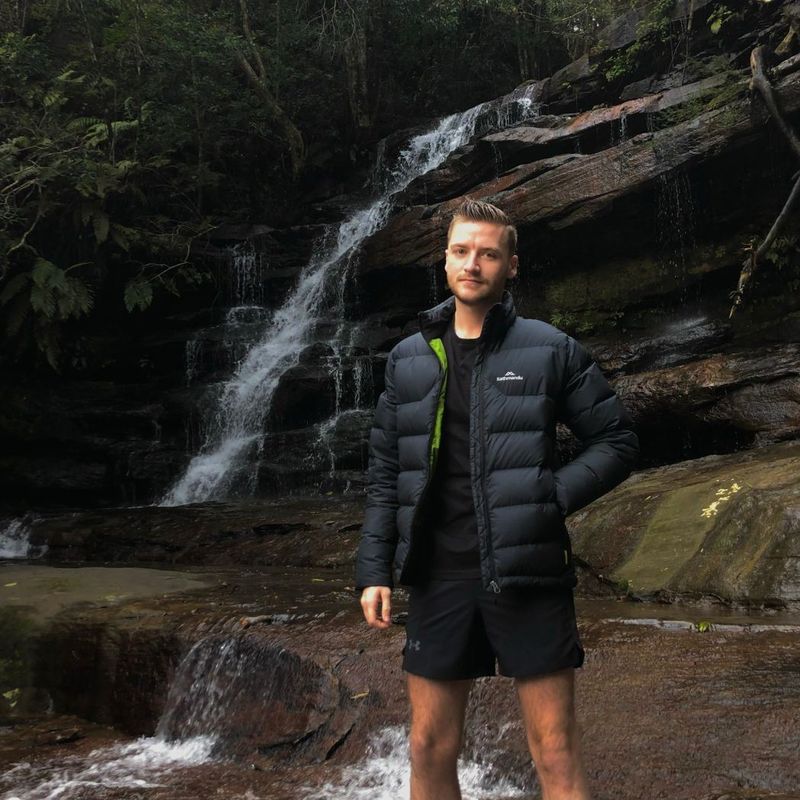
(510, 376)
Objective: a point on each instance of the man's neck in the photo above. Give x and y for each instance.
(468, 320)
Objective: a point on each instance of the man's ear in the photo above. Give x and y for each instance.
(514, 267)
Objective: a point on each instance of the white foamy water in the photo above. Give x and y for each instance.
(207, 681)
(144, 763)
(234, 431)
(383, 774)
(15, 541)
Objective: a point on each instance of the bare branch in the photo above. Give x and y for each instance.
(761, 84)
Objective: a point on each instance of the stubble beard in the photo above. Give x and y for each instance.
(484, 297)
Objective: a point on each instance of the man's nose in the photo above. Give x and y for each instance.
(471, 262)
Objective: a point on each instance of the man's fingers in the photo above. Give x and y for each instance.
(369, 607)
(386, 605)
(370, 599)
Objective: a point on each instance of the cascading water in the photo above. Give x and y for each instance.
(229, 693)
(15, 540)
(145, 762)
(675, 215)
(244, 319)
(234, 431)
(141, 764)
(223, 690)
(384, 775)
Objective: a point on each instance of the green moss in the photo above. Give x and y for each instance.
(583, 322)
(653, 29)
(720, 98)
(600, 295)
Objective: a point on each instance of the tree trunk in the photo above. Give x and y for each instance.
(256, 76)
(355, 59)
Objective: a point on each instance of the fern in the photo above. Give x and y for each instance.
(47, 275)
(43, 301)
(76, 300)
(138, 294)
(81, 124)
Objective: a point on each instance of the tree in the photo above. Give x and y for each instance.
(257, 77)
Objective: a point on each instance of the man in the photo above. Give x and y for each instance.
(466, 505)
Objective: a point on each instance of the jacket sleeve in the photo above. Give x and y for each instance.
(379, 532)
(593, 412)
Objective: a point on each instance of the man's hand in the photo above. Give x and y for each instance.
(371, 598)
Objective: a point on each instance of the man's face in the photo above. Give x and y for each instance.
(478, 263)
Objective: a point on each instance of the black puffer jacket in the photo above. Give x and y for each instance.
(528, 375)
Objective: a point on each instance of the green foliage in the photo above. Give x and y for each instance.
(733, 88)
(138, 294)
(100, 171)
(719, 15)
(625, 587)
(584, 322)
(653, 29)
(784, 252)
(131, 130)
(703, 626)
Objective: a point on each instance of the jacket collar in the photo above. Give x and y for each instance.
(498, 320)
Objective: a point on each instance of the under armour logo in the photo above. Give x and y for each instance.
(414, 644)
(510, 376)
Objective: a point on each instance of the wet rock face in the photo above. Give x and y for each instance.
(114, 675)
(722, 526)
(306, 531)
(294, 702)
(253, 696)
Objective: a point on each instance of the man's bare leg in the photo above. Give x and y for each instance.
(548, 709)
(437, 735)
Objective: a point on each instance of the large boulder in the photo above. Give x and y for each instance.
(725, 527)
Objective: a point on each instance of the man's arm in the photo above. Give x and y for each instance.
(593, 412)
(379, 532)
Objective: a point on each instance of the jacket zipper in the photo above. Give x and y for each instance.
(493, 585)
(433, 451)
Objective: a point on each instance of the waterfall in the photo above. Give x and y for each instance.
(675, 216)
(15, 540)
(233, 432)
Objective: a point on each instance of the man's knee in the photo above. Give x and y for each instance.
(557, 750)
(431, 748)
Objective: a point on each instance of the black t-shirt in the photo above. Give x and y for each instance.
(452, 527)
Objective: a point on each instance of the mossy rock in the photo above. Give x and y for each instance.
(721, 525)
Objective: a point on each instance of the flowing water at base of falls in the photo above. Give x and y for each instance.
(141, 764)
(384, 775)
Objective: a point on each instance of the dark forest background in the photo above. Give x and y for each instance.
(132, 127)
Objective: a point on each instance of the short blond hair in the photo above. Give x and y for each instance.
(480, 211)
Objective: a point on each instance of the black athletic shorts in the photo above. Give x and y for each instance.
(456, 629)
